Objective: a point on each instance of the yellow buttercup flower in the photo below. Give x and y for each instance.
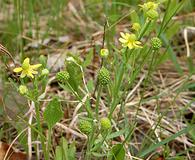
(129, 40)
(27, 69)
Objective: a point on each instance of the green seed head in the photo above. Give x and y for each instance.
(105, 123)
(85, 127)
(156, 43)
(62, 76)
(104, 76)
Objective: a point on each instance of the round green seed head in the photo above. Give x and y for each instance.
(104, 76)
(156, 43)
(62, 76)
(105, 123)
(85, 127)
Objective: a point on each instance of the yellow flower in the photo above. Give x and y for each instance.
(129, 40)
(136, 26)
(27, 69)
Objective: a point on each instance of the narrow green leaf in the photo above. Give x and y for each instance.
(58, 155)
(155, 146)
(172, 55)
(72, 151)
(64, 148)
(116, 134)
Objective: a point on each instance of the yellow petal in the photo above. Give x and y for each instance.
(127, 35)
(137, 46)
(123, 35)
(23, 74)
(30, 75)
(26, 61)
(122, 40)
(138, 42)
(19, 69)
(34, 72)
(35, 66)
(130, 45)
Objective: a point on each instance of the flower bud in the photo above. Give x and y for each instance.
(23, 89)
(85, 127)
(104, 53)
(105, 123)
(156, 43)
(45, 72)
(136, 26)
(62, 76)
(104, 76)
(152, 14)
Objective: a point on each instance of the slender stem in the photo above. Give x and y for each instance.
(122, 71)
(38, 117)
(100, 143)
(150, 67)
(143, 31)
(88, 155)
(49, 140)
(165, 15)
(80, 100)
(97, 101)
(114, 103)
(74, 92)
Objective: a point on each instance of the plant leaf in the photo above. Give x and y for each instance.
(118, 152)
(174, 136)
(58, 155)
(53, 112)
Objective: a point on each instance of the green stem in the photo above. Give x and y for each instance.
(150, 67)
(88, 154)
(74, 92)
(49, 140)
(117, 87)
(165, 15)
(87, 107)
(38, 118)
(122, 71)
(100, 143)
(143, 31)
(97, 101)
